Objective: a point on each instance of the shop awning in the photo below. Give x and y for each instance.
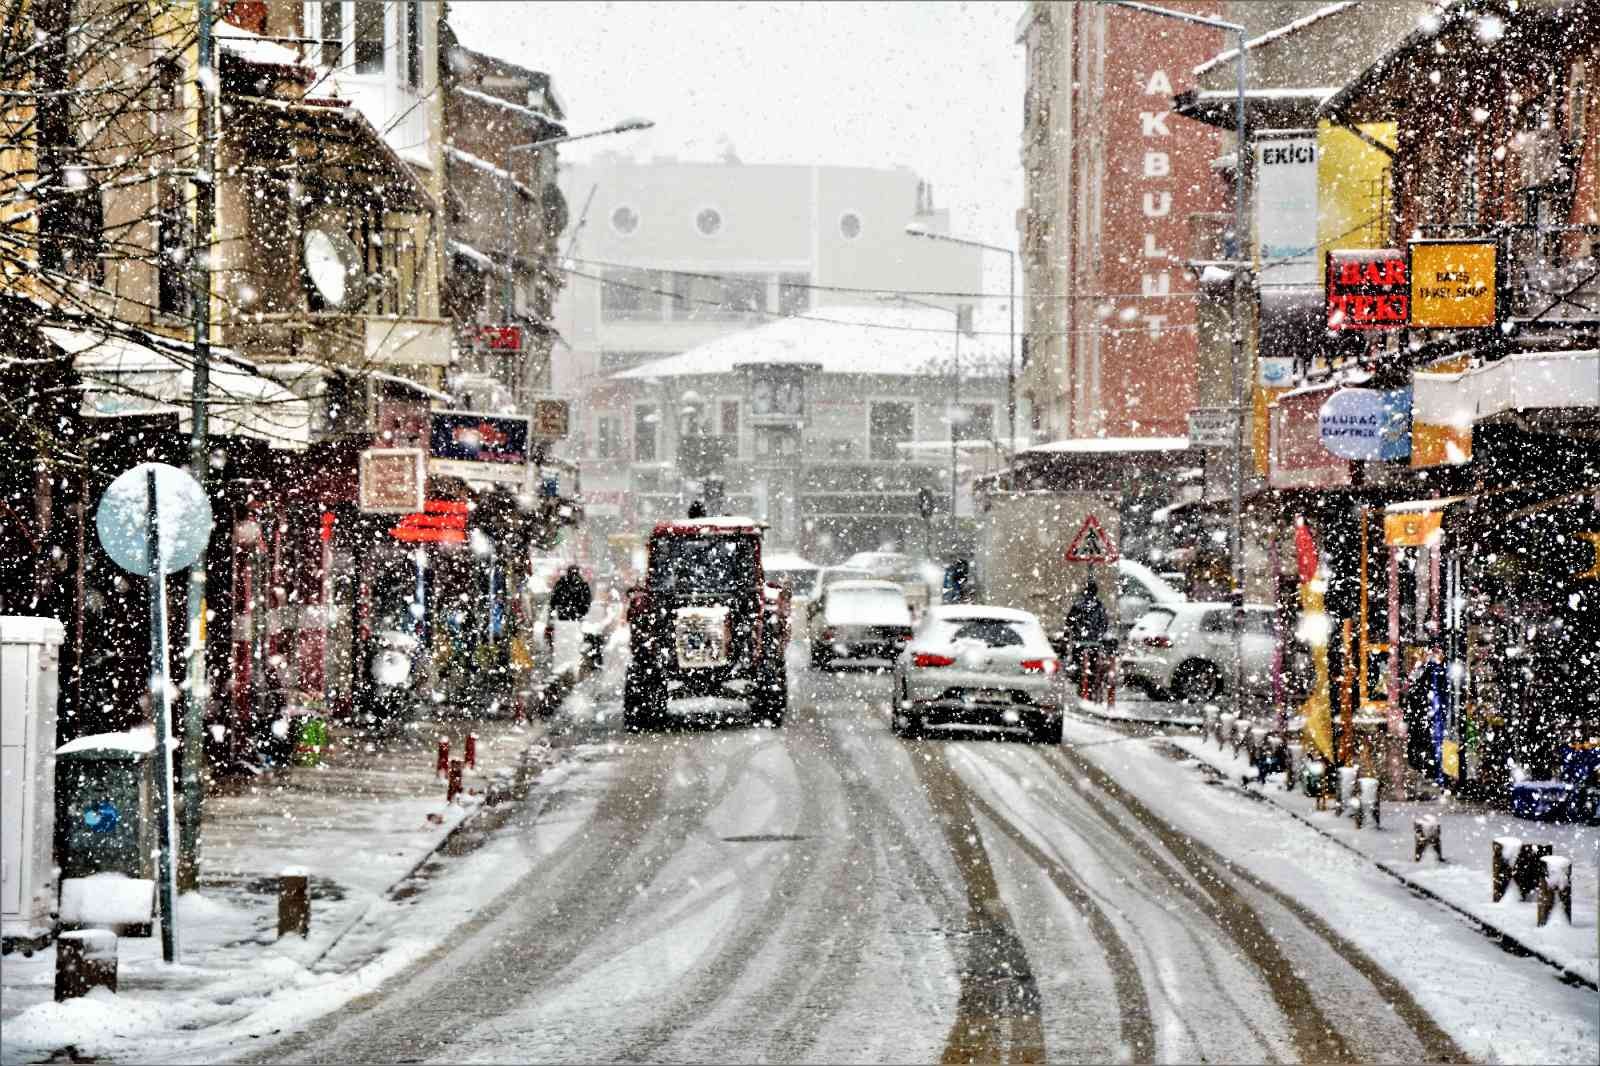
(152, 375)
(1446, 406)
(1413, 523)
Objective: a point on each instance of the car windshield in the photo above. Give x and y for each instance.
(702, 564)
(990, 632)
(801, 582)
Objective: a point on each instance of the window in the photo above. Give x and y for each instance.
(414, 44)
(644, 432)
(708, 221)
(631, 294)
(850, 225)
(794, 293)
(703, 563)
(890, 426)
(332, 33)
(172, 247)
(718, 298)
(369, 27)
(625, 220)
(730, 418)
(990, 632)
(980, 422)
(607, 437)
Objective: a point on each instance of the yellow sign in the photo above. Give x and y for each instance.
(1452, 284)
(1411, 529)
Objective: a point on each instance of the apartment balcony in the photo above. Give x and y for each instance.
(355, 342)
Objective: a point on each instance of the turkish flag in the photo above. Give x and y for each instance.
(1305, 550)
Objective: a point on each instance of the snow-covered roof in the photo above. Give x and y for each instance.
(458, 155)
(895, 341)
(254, 49)
(531, 114)
(467, 251)
(1281, 32)
(1094, 445)
(301, 378)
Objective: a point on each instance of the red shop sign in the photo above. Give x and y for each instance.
(1368, 288)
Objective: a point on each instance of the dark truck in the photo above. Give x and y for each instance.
(706, 623)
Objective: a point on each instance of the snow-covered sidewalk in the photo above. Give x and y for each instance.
(367, 826)
(1462, 880)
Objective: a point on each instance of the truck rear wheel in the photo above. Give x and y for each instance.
(772, 700)
(643, 704)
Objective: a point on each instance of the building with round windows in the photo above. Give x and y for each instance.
(669, 263)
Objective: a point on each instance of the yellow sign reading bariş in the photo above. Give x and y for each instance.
(1452, 284)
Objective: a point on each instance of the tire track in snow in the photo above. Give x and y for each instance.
(1289, 989)
(998, 1014)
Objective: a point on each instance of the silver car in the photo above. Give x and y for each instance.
(981, 668)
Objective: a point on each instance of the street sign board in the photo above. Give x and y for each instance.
(1453, 284)
(551, 419)
(1212, 427)
(393, 480)
(1092, 544)
(1368, 288)
(500, 338)
(122, 520)
(479, 447)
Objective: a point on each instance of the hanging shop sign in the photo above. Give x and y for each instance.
(1453, 284)
(1368, 289)
(436, 522)
(500, 338)
(551, 419)
(1297, 458)
(479, 447)
(1274, 371)
(1213, 427)
(1366, 424)
(392, 480)
(1286, 207)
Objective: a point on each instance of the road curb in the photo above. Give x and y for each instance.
(1507, 941)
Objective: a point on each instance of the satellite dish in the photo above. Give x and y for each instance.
(334, 266)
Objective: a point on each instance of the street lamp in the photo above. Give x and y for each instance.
(955, 404)
(625, 126)
(1240, 266)
(917, 230)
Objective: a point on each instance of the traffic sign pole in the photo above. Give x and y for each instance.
(162, 711)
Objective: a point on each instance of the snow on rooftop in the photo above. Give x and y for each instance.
(1091, 445)
(1281, 32)
(517, 109)
(451, 152)
(895, 341)
(467, 251)
(252, 48)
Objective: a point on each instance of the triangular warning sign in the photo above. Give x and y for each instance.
(1092, 544)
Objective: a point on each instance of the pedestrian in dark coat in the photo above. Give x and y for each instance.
(571, 596)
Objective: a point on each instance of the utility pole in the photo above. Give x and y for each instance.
(205, 201)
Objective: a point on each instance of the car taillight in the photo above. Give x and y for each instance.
(828, 632)
(1158, 642)
(1039, 666)
(924, 659)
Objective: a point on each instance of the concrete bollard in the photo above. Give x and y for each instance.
(1425, 832)
(1297, 756)
(1316, 773)
(452, 787)
(86, 959)
(1225, 729)
(1256, 744)
(1241, 734)
(1528, 872)
(1347, 788)
(1209, 728)
(1503, 857)
(442, 763)
(1555, 884)
(1367, 801)
(470, 753)
(294, 903)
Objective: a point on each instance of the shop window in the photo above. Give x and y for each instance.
(645, 424)
(890, 427)
(174, 243)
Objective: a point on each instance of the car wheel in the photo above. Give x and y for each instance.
(772, 701)
(643, 703)
(821, 659)
(1197, 681)
(1047, 733)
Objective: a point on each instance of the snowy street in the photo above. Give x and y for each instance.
(826, 892)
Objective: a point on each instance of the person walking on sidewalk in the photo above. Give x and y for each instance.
(569, 602)
(1085, 634)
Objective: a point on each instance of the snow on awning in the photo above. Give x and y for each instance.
(468, 252)
(456, 155)
(256, 50)
(1096, 445)
(123, 377)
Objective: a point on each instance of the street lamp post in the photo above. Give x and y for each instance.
(1240, 267)
(1011, 305)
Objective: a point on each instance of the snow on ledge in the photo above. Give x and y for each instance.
(140, 740)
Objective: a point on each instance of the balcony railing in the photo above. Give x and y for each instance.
(341, 340)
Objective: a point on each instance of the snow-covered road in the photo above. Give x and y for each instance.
(826, 892)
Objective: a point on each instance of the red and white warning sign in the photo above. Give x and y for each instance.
(1092, 544)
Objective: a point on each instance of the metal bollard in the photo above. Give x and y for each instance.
(86, 959)
(1426, 831)
(452, 787)
(470, 754)
(1555, 884)
(294, 903)
(442, 764)
(1503, 857)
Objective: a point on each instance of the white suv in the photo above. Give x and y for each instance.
(1187, 649)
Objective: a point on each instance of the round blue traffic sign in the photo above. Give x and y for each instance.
(123, 519)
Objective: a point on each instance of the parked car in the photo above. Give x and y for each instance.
(918, 578)
(798, 573)
(706, 625)
(977, 666)
(1187, 649)
(864, 621)
(1140, 588)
